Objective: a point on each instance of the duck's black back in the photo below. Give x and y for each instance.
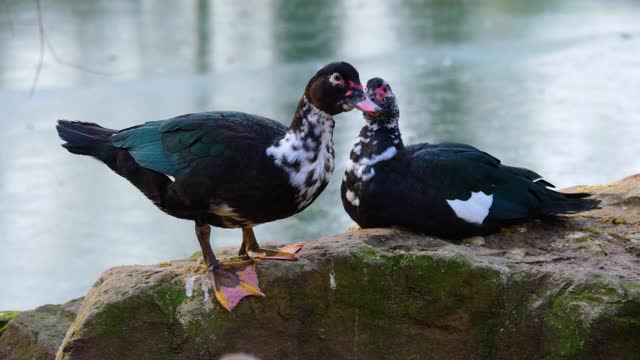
(450, 190)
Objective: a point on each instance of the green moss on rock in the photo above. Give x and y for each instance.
(5, 317)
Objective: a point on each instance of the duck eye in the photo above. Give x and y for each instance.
(336, 79)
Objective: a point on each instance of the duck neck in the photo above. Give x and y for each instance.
(377, 142)
(306, 152)
(311, 121)
(377, 137)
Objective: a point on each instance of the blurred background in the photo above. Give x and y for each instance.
(549, 85)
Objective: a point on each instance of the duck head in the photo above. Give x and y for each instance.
(379, 92)
(336, 88)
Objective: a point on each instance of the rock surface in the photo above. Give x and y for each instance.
(37, 334)
(567, 289)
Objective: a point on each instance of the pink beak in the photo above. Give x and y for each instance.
(367, 106)
(358, 99)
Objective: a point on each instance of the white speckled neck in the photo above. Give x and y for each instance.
(306, 153)
(378, 141)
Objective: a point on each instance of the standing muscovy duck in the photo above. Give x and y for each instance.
(231, 169)
(448, 190)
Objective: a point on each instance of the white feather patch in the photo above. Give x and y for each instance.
(229, 216)
(363, 168)
(352, 198)
(473, 210)
(357, 149)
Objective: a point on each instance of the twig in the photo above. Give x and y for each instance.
(41, 58)
(61, 61)
(45, 41)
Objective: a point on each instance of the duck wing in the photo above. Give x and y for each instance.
(175, 146)
(476, 185)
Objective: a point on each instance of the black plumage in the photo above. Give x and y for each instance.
(230, 169)
(215, 158)
(449, 190)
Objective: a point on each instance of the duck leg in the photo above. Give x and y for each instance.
(251, 248)
(230, 281)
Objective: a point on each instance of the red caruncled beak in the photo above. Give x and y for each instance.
(357, 98)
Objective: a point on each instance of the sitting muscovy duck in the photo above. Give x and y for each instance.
(448, 190)
(231, 169)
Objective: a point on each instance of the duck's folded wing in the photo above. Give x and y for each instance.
(174, 146)
(474, 184)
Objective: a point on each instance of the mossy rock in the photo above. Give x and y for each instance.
(374, 294)
(37, 334)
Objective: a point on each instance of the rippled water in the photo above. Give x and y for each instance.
(551, 85)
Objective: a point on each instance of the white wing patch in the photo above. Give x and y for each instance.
(473, 210)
